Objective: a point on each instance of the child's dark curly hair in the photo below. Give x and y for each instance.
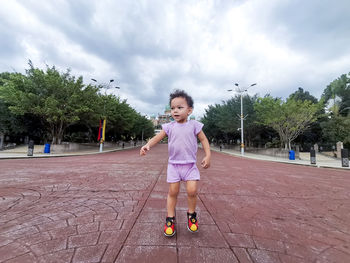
(182, 94)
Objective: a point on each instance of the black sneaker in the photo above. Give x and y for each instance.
(169, 227)
(192, 222)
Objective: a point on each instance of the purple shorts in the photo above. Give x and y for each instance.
(182, 172)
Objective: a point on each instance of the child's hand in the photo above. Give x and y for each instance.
(205, 162)
(144, 150)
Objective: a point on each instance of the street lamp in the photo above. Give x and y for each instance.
(241, 90)
(105, 86)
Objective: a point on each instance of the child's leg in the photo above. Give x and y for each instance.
(172, 198)
(191, 195)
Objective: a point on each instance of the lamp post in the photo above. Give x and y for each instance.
(240, 91)
(105, 86)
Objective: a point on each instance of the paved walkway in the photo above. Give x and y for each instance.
(110, 208)
(304, 158)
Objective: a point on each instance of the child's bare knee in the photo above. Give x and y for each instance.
(192, 192)
(173, 192)
(191, 188)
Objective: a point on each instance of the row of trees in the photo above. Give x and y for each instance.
(274, 122)
(48, 105)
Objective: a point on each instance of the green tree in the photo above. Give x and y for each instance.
(123, 122)
(222, 121)
(59, 100)
(252, 129)
(16, 126)
(119, 115)
(210, 121)
(143, 128)
(9, 123)
(302, 95)
(289, 118)
(337, 129)
(337, 95)
(312, 134)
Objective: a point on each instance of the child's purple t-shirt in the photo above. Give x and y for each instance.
(182, 141)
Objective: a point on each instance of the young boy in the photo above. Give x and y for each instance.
(182, 147)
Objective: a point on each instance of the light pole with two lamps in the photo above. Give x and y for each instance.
(105, 86)
(241, 90)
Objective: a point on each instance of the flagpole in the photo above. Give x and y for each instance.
(101, 133)
(101, 146)
(100, 137)
(102, 129)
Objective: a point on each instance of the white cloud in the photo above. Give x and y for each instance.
(153, 47)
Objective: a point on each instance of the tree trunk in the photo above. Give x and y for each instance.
(53, 134)
(2, 137)
(60, 132)
(57, 131)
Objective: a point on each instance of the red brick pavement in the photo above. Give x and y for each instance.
(111, 207)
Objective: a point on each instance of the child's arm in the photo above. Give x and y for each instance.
(152, 142)
(204, 141)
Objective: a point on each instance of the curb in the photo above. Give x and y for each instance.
(64, 154)
(282, 161)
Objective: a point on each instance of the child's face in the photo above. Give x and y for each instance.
(180, 109)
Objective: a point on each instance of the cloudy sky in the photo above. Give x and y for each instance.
(153, 47)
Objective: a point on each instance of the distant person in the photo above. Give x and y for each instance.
(182, 147)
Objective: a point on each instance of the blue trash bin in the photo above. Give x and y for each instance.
(47, 148)
(291, 155)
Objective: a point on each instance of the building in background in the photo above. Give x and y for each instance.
(163, 118)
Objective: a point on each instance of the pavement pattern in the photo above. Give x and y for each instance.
(111, 208)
